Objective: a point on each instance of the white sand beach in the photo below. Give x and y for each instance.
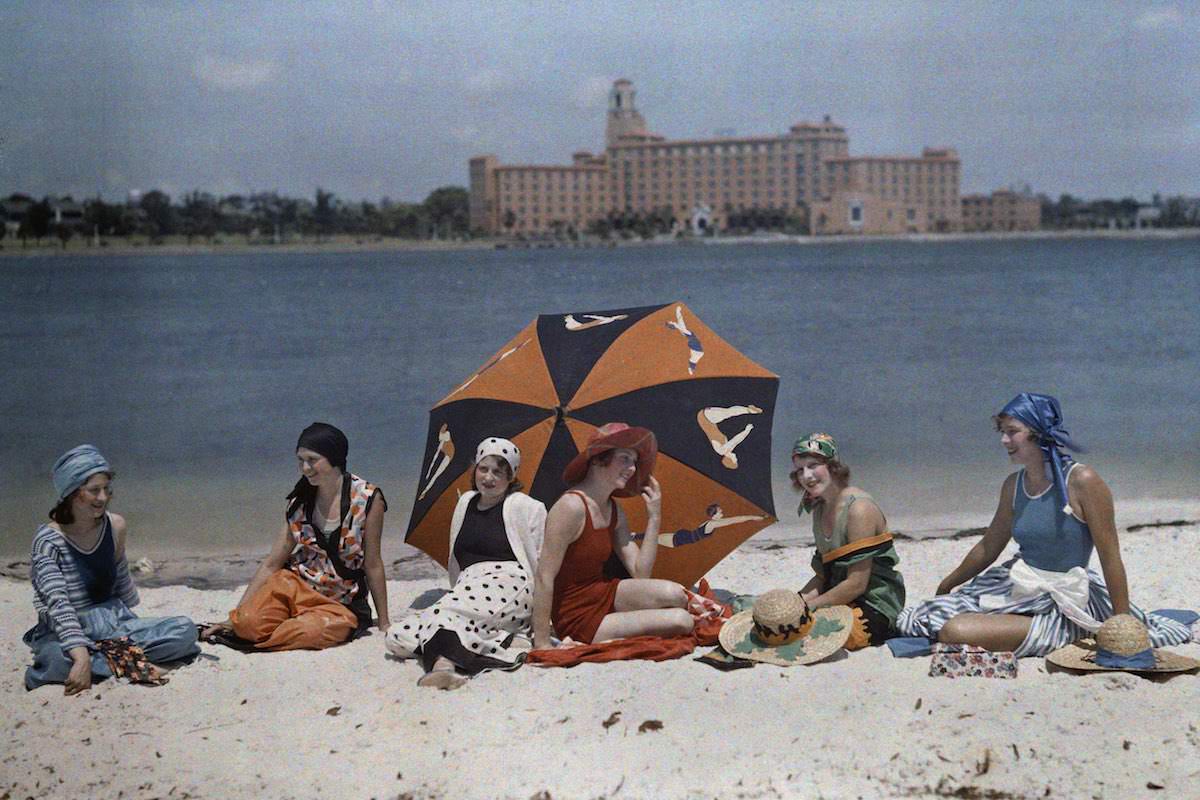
(352, 723)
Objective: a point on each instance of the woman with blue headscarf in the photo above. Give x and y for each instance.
(83, 593)
(1058, 511)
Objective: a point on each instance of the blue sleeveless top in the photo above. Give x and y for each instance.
(97, 568)
(1049, 539)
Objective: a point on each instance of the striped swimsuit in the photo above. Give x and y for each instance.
(60, 590)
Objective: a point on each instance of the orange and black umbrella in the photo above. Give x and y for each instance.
(657, 367)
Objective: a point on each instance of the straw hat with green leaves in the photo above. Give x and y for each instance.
(781, 629)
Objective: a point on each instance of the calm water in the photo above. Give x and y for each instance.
(195, 374)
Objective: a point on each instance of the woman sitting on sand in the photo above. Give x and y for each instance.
(311, 590)
(584, 528)
(855, 561)
(495, 537)
(1045, 597)
(82, 589)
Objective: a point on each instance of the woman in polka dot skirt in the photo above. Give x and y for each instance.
(495, 539)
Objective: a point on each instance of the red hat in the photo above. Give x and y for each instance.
(612, 436)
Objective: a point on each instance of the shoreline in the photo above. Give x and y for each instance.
(220, 571)
(390, 245)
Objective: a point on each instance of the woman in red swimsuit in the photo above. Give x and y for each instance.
(584, 528)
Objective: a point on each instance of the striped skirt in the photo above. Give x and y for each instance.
(1050, 628)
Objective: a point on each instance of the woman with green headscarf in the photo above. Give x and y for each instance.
(855, 559)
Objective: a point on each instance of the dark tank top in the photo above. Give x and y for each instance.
(99, 567)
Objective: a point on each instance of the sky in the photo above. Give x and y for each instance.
(376, 99)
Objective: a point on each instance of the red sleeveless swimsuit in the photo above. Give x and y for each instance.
(583, 595)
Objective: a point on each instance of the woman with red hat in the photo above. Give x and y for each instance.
(585, 528)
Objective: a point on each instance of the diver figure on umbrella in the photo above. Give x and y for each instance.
(584, 528)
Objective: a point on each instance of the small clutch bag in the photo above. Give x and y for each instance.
(967, 661)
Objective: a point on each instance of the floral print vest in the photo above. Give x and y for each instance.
(314, 563)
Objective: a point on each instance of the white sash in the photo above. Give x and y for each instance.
(1069, 590)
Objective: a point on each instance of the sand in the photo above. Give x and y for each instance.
(352, 723)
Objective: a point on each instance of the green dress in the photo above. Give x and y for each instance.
(884, 597)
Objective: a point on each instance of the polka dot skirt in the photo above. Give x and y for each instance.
(491, 601)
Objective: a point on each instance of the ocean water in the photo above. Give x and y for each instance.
(194, 374)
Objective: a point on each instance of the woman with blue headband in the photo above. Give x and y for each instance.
(1058, 511)
(83, 592)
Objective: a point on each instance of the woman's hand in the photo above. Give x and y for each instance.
(564, 644)
(945, 587)
(80, 677)
(652, 494)
(207, 634)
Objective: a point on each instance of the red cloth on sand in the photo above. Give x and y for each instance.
(583, 596)
(709, 616)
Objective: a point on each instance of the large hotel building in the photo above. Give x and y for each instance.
(807, 173)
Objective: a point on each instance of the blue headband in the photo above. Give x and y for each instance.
(1042, 415)
(75, 466)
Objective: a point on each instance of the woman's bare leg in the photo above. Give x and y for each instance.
(637, 594)
(647, 622)
(646, 607)
(995, 632)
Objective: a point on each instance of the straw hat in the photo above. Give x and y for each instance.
(613, 436)
(781, 630)
(1120, 636)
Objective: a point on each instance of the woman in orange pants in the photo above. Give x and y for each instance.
(311, 590)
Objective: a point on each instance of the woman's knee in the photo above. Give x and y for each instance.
(669, 594)
(182, 635)
(957, 630)
(679, 620)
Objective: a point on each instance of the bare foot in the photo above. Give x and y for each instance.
(446, 679)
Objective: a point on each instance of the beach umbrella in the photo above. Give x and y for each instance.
(657, 367)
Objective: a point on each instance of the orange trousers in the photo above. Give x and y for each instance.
(288, 614)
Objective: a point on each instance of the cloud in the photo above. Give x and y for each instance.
(486, 81)
(592, 93)
(467, 134)
(234, 75)
(1158, 19)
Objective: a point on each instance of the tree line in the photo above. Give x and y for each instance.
(263, 217)
(1070, 212)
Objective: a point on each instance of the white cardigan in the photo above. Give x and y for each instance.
(524, 522)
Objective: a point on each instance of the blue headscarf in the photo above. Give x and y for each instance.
(1042, 415)
(75, 466)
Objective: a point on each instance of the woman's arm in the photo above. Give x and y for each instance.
(373, 563)
(123, 586)
(987, 549)
(863, 521)
(639, 559)
(1096, 504)
(813, 588)
(564, 523)
(275, 561)
(51, 585)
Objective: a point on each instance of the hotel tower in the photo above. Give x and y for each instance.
(807, 173)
